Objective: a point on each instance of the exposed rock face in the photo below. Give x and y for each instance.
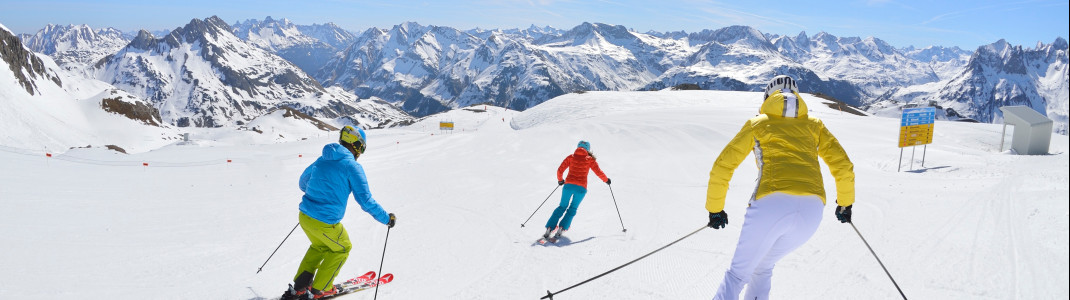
(24, 64)
(138, 111)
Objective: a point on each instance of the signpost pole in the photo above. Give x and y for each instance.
(900, 166)
(913, 149)
(924, 149)
(1002, 137)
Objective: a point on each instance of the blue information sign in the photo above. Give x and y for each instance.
(918, 116)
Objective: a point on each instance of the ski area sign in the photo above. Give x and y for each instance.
(916, 128)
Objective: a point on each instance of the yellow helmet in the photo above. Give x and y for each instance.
(353, 138)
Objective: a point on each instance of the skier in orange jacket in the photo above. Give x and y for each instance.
(578, 164)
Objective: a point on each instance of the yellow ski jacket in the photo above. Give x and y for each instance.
(786, 144)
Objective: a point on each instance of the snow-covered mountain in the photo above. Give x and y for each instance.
(431, 68)
(870, 63)
(428, 69)
(945, 61)
(740, 58)
(75, 47)
(307, 46)
(996, 75)
(203, 75)
(397, 64)
(329, 33)
(1001, 74)
(531, 33)
(611, 57)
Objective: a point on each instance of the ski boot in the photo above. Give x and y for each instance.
(317, 294)
(557, 235)
(296, 294)
(549, 231)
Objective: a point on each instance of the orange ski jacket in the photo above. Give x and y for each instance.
(578, 164)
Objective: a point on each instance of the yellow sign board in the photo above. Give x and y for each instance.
(445, 125)
(916, 127)
(915, 135)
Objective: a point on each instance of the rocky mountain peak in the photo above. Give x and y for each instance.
(328, 33)
(75, 47)
(198, 30)
(738, 33)
(1059, 44)
(144, 40)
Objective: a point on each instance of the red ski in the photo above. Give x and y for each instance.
(354, 284)
(357, 280)
(386, 278)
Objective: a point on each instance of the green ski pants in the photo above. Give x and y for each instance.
(328, 252)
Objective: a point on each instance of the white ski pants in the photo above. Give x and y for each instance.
(774, 226)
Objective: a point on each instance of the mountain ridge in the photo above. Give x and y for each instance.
(428, 69)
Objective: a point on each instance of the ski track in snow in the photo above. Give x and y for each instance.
(972, 223)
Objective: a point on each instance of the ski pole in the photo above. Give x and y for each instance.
(618, 209)
(277, 248)
(540, 206)
(381, 263)
(878, 260)
(550, 295)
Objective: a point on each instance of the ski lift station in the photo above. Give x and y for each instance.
(1032, 130)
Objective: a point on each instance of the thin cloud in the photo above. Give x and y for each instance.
(889, 2)
(1004, 6)
(540, 6)
(541, 2)
(734, 16)
(969, 33)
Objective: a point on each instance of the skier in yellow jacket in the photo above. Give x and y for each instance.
(785, 209)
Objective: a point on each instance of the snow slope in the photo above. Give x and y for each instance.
(973, 223)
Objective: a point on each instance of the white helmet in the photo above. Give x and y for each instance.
(780, 83)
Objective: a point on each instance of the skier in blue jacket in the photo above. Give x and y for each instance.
(327, 184)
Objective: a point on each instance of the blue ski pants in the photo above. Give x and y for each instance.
(571, 196)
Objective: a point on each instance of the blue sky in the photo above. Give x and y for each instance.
(966, 24)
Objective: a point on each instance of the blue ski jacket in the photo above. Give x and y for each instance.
(328, 182)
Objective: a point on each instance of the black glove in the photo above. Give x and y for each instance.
(843, 213)
(393, 220)
(718, 220)
(609, 181)
(560, 182)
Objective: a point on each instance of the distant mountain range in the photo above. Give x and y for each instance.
(208, 73)
(1001, 74)
(308, 47)
(75, 47)
(203, 75)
